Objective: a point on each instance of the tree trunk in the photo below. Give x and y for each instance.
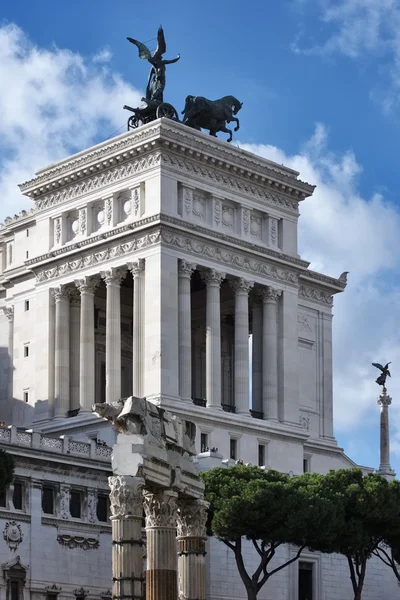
(361, 579)
(251, 593)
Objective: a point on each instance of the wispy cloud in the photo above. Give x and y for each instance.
(53, 102)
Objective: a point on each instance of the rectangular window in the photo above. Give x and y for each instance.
(26, 396)
(17, 495)
(261, 455)
(14, 590)
(204, 447)
(3, 498)
(102, 508)
(306, 465)
(48, 500)
(233, 449)
(306, 588)
(75, 504)
(26, 305)
(26, 350)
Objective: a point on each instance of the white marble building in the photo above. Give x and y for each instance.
(147, 264)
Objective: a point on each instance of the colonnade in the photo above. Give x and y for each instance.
(75, 310)
(175, 542)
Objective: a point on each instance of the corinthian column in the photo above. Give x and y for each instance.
(192, 536)
(161, 574)
(385, 469)
(126, 520)
(270, 353)
(185, 271)
(113, 278)
(74, 347)
(87, 286)
(213, 280)
(241, 354)
(62, 296)
(137, 269)
(7, 407)
(256, 355)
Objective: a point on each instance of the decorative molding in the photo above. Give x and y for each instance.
(87, 285)
(241, 285)
(91, 184)
(12, 534)
(113, 276)
(213, 277)
(91, 506)
(304, 422)
(64, 502)
(81, 592)
(126, 498)
(185, 268)
(79, 526)
(12, 514)
(137, 267)
(315, 295)
(160, 509)
(53, 589)
(77, 541)
(9, 312)
(304, 325)
(90, 157)
(192, 518)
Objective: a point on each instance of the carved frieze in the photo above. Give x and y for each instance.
(315, 295)
(12, 534)
(78, 541)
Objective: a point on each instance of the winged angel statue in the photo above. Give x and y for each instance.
(385, 372)
(156, 82)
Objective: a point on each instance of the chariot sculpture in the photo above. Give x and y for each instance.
(199, 112)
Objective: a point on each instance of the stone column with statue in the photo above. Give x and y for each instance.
(384, 402)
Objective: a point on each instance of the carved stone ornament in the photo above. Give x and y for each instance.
(9, 312)
(192, 518)
(53, 589)
(304, 324)
(186, 268)
(12, 534)
(106, 595)
(81, 593)
(91, 506)
(87, 284)
(126, 498)
(113, 276)
(160, 509)
(304, 422)
(57, 230)
(137, 267)
(108, 207)
(315, 295)
(241, 286)
(213, 277)
(64, 503)
(78, 541)
(270, 294)
(62, 292)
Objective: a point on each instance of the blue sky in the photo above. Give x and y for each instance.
(319, 81)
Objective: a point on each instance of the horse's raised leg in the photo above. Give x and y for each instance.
(237, 123)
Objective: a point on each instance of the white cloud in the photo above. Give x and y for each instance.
(53, 102)
(342, 231)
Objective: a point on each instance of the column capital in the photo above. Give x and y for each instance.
(114, 275)
(185, 268)
(126, 496)
(9, 312)
(61, 292)
(270, 294)
(136, 267)
(213, 277)
(384, 399)
(192, 518)
(160, 508)
(241, 286)
(87, 284)
(75, 297)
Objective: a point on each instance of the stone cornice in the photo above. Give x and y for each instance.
(102, 161)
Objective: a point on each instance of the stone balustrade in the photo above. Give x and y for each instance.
(62, 445)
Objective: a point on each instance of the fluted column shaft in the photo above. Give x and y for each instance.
(384, 402)
(213, 338)
(161, 573)
(126, 520)
(137, 269)
(62, 356)
(241, 354)
(113, 278)
(192, 536)
(75, 328)
(256, 356)
(270, 353)
(185, 271)
(87, 286)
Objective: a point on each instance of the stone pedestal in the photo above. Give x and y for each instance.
(126, 518)
(192, 536)
(385, 469)
(161, 574)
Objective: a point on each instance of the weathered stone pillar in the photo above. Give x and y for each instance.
(74, 347)
(256, 355)
(9, 313)
(62, 354)
(385, 469)
(241, 354)
(270, 353)
(192, 536)
(161, 574)
(113, 278)
(213, 280)
(87, 286)
(185, 271)
(126, 500)
(137, 269)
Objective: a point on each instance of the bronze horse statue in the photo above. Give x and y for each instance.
(213, 115)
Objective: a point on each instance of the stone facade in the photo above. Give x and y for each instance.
(144, 267)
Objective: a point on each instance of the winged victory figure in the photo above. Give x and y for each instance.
(385, 372)
(156, 82)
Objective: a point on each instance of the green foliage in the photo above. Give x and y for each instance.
(6, 469)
